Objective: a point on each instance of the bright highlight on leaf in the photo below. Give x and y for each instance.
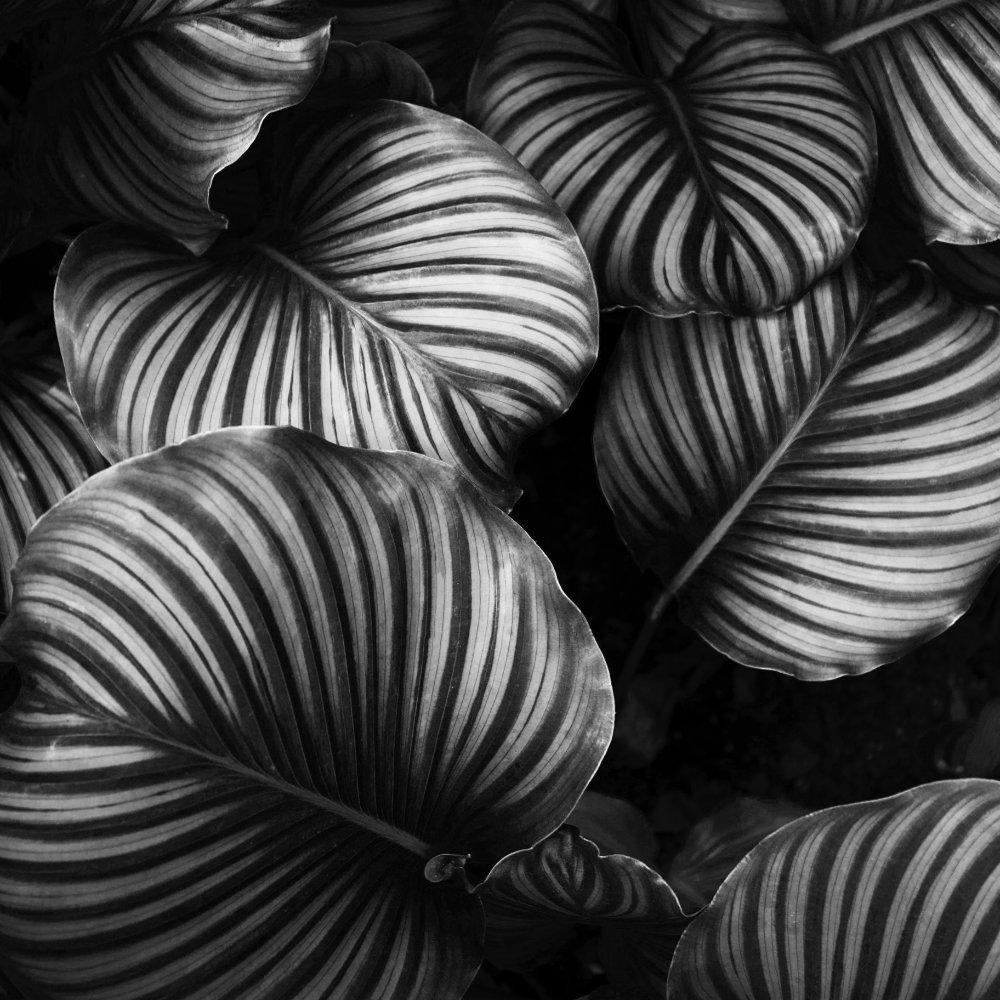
(416, 290)
(731, 186)
(45, 452)
(897, 899)
(141, 104)
(533, 897)
(267, 679)
(820, 487)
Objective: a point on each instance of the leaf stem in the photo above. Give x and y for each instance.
(637, 654)
(875, 28)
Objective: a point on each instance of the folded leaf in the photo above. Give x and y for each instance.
(931, 72)
(267, 681)
(417, 290)
(143, 103)
(533, 897)
(897, 899)
(44, 449)
(820, 487)
(719, 843)
(731, 187)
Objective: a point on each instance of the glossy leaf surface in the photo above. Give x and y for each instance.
(731, 187)
(142, 104)
(819, 487)
(266, 679)
(532, 897)
(897, 899)
(417, 291)
(45, 452)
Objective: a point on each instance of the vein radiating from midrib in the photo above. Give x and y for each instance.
(745, 498)
(875, 28)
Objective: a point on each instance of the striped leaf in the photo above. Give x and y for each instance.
(931, 71)
(664, 30)
(533, 897)
(615, 826)
(417, 291)
(275, 692)
(820, 487)
(143, 103)
(719, 843)
(897, 899)
(731, 187)
(369, 71)
(44, 449)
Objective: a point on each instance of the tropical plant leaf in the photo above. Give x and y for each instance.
(731, 187)
(267, 681)
(931, 72)
(663, 31)
(533, 897)
(142, 104)
(370, 71)
(897, 899)
(821, 486)
(45, 452)
(973, 272)
(719, 843)
(417, 290)
(615, 826)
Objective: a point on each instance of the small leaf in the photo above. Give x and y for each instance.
(416, 290)
(45, 452)
(370, 71)
(731, 187)
(615, 826)
(819, 487)
(533, 897)
(267, 679)
(142, 104)
(897, 899)
(719, 843)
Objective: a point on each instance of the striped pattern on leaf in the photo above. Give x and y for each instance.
(143, 103)
(369, 71)
(719, 843)
(897, 899)
(731, 188)
(821, 486)
(931, 72)
(973, 272)
(419, 291)
(267, 678)
(45, 452)
(664, 30)
(533, 897)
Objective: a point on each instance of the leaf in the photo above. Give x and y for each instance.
(533, 897)
(731, 187)
(370, 71)
(268, 680)
(931, 72)
(45, 452)
(717, 844)
(615, 826)
(416, 290)
(819, 487)
(664, 30)
(973, 272)
(897, 899)
(143, 104)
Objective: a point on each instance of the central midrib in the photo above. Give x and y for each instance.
(736, 509)
(873, 29)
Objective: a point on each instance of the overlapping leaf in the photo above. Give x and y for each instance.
(44, 449)
(732, 187)
(897, 899)
(143, 103)
(372, 70)
(820, 487)
(417, 290)
(533, 897)
(266, 680)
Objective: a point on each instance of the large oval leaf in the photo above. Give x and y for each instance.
(732, 187)
(417, 291)
(897, 899)
(533, 897)
(820, 487)
(45, 452)
(142, 104)
(266, 680)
